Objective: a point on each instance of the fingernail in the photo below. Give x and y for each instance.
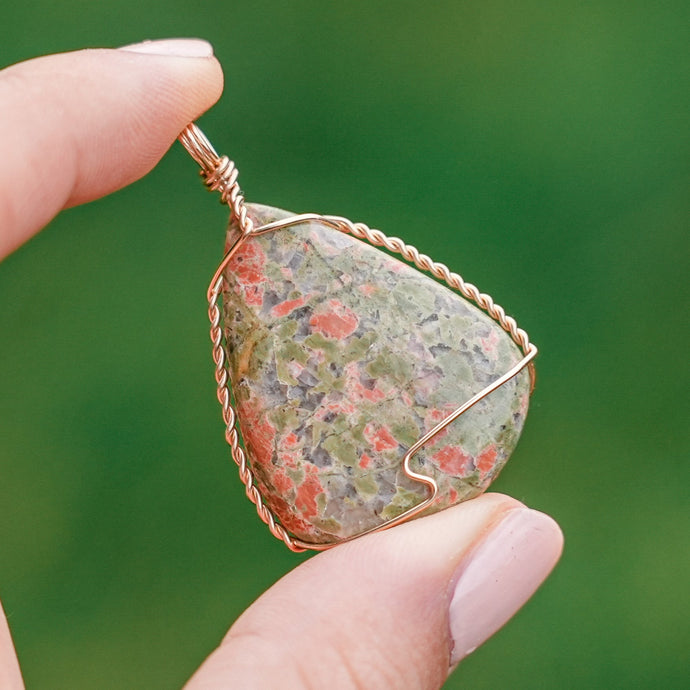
(500, 575)
(174, 47)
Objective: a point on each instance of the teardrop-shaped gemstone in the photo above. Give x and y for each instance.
(342, 357)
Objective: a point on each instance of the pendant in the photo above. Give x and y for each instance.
(357, 391)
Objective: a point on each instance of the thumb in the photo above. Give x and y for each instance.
(395, 609)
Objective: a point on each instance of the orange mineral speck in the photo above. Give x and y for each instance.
(355, 390)
(373, 395)
(452, 460)
(254, 294)
(381, 438)
(291, 440)
(486, 460)
(282, 481)
(338, 322)
(307, 492)
(248, 264)
(364, 461)
(258, 432)
(286, 514)
(284, 308)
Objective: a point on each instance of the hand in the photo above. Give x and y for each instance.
(397, 609)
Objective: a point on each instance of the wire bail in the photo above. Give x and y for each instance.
(219, 174)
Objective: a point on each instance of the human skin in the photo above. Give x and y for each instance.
(395, 609)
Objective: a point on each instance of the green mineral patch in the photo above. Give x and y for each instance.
(468, 485)
(325, 377)
(357, 347)
(287, 329)
(340, 424)
(262, 349)
(284, 417)
(328, 525)
(319, 430)
(342, 450)
(404, 428)
(507, 351)
(357, 431)
(291, 350)
(297, 475)
(411, 296)
(403, 500)
(507, 437)
(283, 372)
(455, 369)
(241, 393)
(316, 341)
(390, 364)
(366, 485)
(339, 384)
(455, 327)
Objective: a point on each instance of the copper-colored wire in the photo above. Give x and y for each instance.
(220, 174)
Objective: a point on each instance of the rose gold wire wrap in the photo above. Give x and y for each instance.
(220, 174)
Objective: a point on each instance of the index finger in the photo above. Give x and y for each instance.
(77, 126)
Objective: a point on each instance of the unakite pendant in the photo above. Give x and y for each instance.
(365, 391)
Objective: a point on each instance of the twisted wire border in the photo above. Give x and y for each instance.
(375, 238)
(230, 418)
(439, 270)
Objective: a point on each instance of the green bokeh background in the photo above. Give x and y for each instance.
(539, 148)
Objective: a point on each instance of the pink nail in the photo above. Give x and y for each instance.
(174, 47)
(500, 575)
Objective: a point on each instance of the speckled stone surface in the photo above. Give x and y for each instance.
(341, 357)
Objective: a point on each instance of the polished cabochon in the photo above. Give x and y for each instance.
(341, 358)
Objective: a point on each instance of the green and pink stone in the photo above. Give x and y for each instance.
(341, 357)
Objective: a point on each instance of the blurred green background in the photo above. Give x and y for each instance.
(541, 149)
